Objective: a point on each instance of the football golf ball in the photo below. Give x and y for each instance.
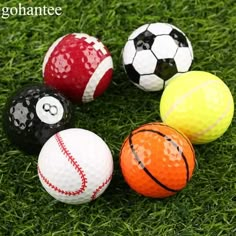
(79, 66)
(156, 160)
(154, 54)
(75, 166)
(198, 104)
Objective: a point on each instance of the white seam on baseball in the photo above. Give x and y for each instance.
(186, 95)
(98, 74)
(49, 52)
(210, 127)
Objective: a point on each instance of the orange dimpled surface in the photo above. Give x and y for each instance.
(156, 160)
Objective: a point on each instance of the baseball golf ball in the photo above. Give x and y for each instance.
(75, 166)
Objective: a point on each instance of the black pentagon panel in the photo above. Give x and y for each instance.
(132, 73)
(166, 68)
(144, 41)
(179, 38)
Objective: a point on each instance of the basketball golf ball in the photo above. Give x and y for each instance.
(156, 160)
(198, 104)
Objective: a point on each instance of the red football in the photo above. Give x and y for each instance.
(79, 66)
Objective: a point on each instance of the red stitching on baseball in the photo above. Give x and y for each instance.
(74, 163)
(107, 181)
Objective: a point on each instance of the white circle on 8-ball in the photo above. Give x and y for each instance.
(49, 110)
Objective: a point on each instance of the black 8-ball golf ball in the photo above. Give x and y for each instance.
(33, 114)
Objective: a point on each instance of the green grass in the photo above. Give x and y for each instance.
(207, 206)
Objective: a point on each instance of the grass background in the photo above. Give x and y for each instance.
(207, 206)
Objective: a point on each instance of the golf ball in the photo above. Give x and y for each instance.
(154, 54)
(199, 104)
(79, 66)
(75, 166)
(33, 114)
(156, 160)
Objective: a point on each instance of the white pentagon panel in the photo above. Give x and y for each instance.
(183, 59)
(159, 28)
(138, 31)
(145, 62)
(190, 47)
(129, 52)
(151, 82)
(164, 47)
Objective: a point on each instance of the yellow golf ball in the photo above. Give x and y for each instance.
(199, 104)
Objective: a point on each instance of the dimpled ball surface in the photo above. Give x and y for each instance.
(156, 160)
(154, 54)
(79, 66)
(75, 166)
(33, 114)
(199, 104)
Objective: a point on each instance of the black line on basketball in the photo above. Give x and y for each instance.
(190, 144)
(146, 170)
(176, 146)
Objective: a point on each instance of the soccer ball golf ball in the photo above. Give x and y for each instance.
(154, 54)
